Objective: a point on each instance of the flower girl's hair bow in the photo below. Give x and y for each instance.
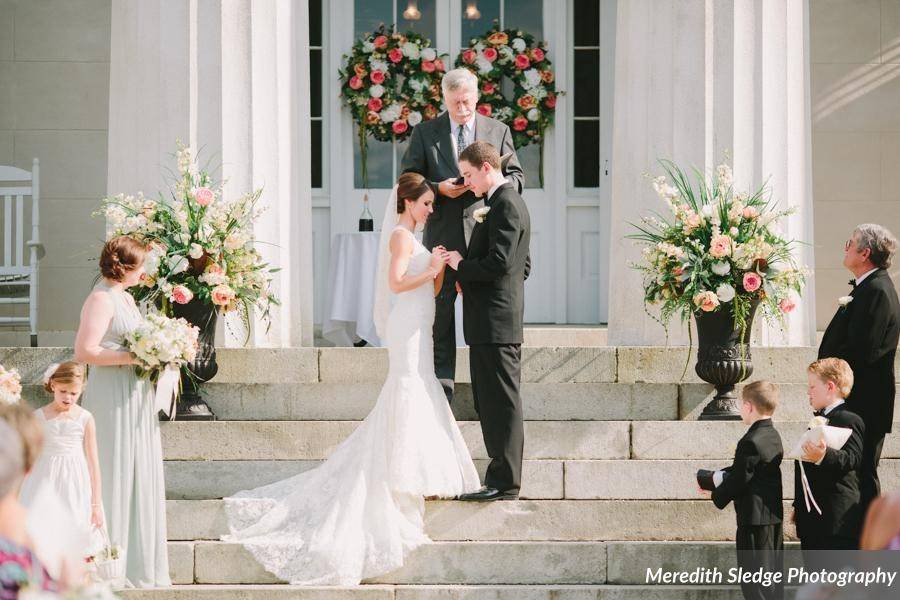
(48, 373)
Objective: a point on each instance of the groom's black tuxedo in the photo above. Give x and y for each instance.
(492, 277)
(865, 334)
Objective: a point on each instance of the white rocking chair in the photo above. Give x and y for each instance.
(15, 273)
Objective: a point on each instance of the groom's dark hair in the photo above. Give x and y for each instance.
(479, 152)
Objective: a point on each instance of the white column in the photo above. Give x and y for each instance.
(694, 79)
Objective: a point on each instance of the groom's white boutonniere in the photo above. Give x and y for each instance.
(480, 214)
(845, 300)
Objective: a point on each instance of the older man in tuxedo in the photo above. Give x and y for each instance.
(433, 152)
(864, 332)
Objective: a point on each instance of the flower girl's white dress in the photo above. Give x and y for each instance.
(358, 514)
(62, 465)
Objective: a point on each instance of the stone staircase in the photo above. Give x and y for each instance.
(612, 446)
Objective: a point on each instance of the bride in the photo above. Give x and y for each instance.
(362, 511)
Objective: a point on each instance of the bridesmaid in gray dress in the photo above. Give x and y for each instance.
(128, 438)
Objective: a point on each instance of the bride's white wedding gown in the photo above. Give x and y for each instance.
(361, 512)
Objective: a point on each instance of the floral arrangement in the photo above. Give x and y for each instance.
(391, 82)
(722, 251)
(516, 55)
(10, 386)
(160, 341)
(200, 245)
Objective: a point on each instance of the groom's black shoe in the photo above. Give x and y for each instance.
(488, 494)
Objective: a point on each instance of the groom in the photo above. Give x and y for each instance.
(492, 280)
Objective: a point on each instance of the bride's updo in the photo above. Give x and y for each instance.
(410, 187)
(120, 255)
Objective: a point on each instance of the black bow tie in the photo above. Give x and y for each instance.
(819, 413)
(852, 283)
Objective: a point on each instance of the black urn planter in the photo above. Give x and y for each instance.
(190, 405)
(723, 359)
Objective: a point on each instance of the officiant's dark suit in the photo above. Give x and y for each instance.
(865, 333)
(753, 483)
(492, 276)
(835, 488)
(433, 154)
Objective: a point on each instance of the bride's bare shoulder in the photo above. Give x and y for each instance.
(401, 241)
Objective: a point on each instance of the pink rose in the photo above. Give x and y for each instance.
(706, 301)
(786, 305)
(537, 54)
(222, 295)
(484, 110)
(181, 295)
(522, 62)
(439, 64)
(395, 55)
(399, 126)
(720, 246)
(520, 123)
(428, 66)
(375, 104)
(750, 212)
(752, 281)
(355, 83)
(468, 56)
(488, 88)
(550, 102)
(377, 77)
(204, 196)
(380, 42)
(490, 54)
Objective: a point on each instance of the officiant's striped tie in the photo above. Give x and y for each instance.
(460, 140)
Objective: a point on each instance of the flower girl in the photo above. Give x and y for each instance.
(68, 463)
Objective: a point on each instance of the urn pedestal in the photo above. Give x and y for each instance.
(190, 405)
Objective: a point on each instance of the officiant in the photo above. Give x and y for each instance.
(433, 151)
(864, 332)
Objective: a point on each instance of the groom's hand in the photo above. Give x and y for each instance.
(455, 259)
(451, 190)
(458, 289)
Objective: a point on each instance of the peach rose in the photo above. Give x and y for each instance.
(484, 110)
(395, 55)
(439, 64)
(360, 70)
(181, 294)
(752, 281)
(428, 66)
(537, 54)
(498, 38)
(377, 77)
(375, 104)
(468, 56)
(526, 102)
(786, 305)
(430, 112)
(706, 301)
(355, 83)
(204, 196)
(380, 42)
(372, 118)
(520, 123)
(490, 54)
(522, 62)
(720, 246)
(750, 212)
(222, 295)
(399, 126)
(547, 76)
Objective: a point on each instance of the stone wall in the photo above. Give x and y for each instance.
(54, 91)
(855, 91)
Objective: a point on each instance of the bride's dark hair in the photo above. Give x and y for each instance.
(410, 187)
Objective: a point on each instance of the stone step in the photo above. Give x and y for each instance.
(486, 563)
(560, 440)
(552, 336)
(439, 592)
(541, 479)
(519, 521)
(626, 364)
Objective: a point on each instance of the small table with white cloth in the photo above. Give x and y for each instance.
(351, 291)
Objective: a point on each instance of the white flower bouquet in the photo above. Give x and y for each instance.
(161, 341)
(108, 564)
(10, 386)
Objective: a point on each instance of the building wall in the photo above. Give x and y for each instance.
(855, 91)
(54, 91)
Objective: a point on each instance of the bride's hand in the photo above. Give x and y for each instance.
(439, 258)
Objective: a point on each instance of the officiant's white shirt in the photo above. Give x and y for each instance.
(860, 279)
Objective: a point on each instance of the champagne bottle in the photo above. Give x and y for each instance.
(366, 222)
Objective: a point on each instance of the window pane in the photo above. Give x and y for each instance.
(315, 83)
(587, 153)
(368, 15)
(527, 15)
(530, 159)
(315, 22)
(317, 151)
(424, 25)
(478, 17)
(587, 22)
(380, 163)
(587, 83)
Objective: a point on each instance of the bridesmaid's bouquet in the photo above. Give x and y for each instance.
(161, 342)
(10, 386)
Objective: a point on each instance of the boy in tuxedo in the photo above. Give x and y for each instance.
(832, 475)
(753, 483)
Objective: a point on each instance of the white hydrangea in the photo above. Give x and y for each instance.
(376, 91)
(196, 251)
(479, 47)
(532, 79)
(391, 113)
(721, 268)
(429, 54)
(483, 64)
(377, 64)
(533, 114)
(177, 264)
(518, 44)
(506, 54)
(414, 118)
(368, 46)
(411, 50)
